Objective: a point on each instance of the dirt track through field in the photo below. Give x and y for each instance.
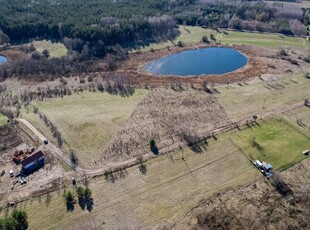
(99, 171)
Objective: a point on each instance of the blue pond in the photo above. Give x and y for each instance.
(212, 60)
(3, 59)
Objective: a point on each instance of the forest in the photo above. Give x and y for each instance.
(127, 21)
(107, 28)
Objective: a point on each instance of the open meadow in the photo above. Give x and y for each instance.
(274, 141)
(191, 35)
(260, 39)
(300, 117)
(163, 191)
(3, 119)
(261, 96)
(171, 118)
(56, 49)
(87, 121)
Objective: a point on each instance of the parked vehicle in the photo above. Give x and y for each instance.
(11, 173)
(2, 172)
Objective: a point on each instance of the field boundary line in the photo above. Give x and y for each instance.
(293, 126)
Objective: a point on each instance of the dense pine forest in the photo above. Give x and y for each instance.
(106, 28)
(126, 21)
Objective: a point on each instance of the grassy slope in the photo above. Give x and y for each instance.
(87, 121)
(188, 34)
(167, 191)
(303, 114)
(268, 40)
(282, 144)
(55, 49)
(193, 34)
(252, 97)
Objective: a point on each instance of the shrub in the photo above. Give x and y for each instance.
(69, 196)
(36, 55)
(87, 193)
(80, 192)
(282, 52)
(180, 44)
(46, 53)
(90, 78)
(205, 39)
(17, 220)
(213, 37)
(294, 62)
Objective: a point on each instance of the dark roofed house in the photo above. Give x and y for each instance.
(33, 163)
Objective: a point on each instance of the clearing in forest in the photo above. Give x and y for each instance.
(188, 35)
(56, 49)
(274, 141)
(191, 35)
(261, 39)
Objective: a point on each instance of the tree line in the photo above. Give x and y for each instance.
(100, 24)
(17, 220)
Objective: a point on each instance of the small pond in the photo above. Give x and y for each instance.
(3, 59)
(212, 60)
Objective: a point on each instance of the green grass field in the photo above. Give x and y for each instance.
(188, 34)
(259, 39)
(191, 35)
(55, 49)
(242, 101)
(3, 119)
(279, 143)
(87, 121)
(170, 188)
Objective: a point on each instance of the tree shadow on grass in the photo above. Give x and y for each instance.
(82, 203)
(70, 206)
(143, 169)
(196, 148)
(112, 176)
(89, 204)
(86, 203)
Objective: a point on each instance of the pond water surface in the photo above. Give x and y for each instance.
(212, 60)
(3, 59)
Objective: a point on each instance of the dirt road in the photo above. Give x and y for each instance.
(61, 155)
(99, 171)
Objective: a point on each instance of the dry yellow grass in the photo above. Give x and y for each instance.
(300, 117)
(56, 49)
(3, 119)
(188, 34)
(170, 188)
(87, 121)
(246, 100)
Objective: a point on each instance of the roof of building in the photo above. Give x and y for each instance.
(32, 158)
(268, 166)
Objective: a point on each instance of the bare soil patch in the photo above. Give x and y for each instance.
(9, 138)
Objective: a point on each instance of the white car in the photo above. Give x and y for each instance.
(11, 173)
